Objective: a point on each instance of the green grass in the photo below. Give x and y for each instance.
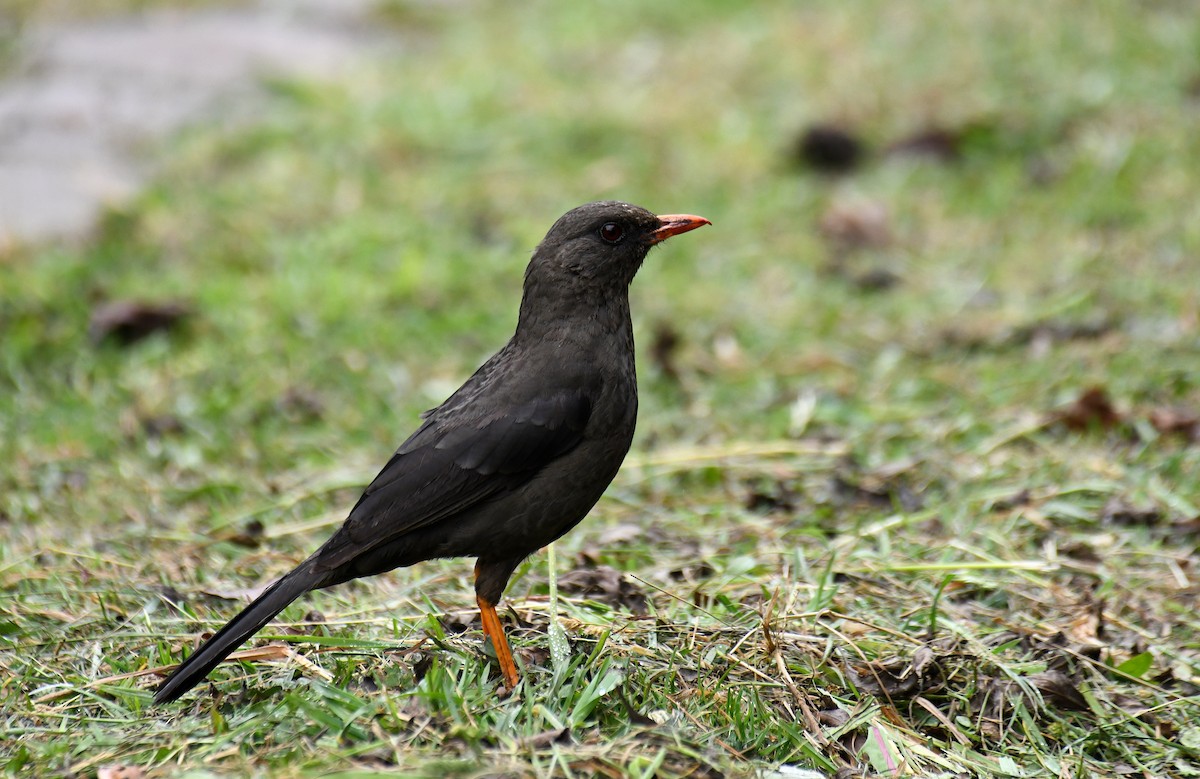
(860, 536)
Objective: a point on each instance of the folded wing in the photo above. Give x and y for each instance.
(444, 469)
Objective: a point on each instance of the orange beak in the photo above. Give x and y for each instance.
(674, 224)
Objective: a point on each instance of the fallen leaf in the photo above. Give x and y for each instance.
(605, 585)
(849, 225)
(1176, 421)
(1042, 334)
(173, 599)
(1139, 708)
(833, 718)
(298, 404)
(770, 496)
(1039, 336)
(276, 650)
(1092, 409)
(1088, 625)
(827, 148)
(883, 488)
(1058, 690)
(876, 279)
(922, 659)
(546, 738)
(250, 536)
(367, 683)
(996, 697)
(421, 663)
(635, 716)
(898, 678)
(692, 573)
(1022, 498)
(1080, 550)
(1186, 528)
(533, 656)
(119, 772)
(243, 594)
(938, 143)
(160, 425)
(951, 143)
(127, 321)
(623, 533)
(1121, 512)
(455, 622)
(664, 348)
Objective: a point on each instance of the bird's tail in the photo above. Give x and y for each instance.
(252, 618)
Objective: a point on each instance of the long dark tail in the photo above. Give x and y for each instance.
(234, 634)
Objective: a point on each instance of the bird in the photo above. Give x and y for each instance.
(513, 459)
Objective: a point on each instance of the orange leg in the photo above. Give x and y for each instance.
(493, 630)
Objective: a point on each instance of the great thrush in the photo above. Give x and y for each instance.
(517, 456)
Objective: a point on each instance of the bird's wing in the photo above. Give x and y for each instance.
(442, 470)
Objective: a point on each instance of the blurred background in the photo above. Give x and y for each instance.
(952, 278)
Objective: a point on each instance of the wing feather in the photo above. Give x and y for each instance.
(442, 470)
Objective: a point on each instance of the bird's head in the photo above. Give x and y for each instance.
(599, 247)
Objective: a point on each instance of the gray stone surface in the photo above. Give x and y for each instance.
(80, 114)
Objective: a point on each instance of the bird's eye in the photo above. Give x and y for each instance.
(611, 232)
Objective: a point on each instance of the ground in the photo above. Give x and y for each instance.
(915, 485)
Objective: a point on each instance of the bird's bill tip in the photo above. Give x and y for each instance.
(674, 224)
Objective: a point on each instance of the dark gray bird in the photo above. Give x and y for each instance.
(517, 456)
